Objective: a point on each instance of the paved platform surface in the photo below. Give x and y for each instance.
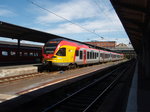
(27, 85)
(6, 71)
(139, 96)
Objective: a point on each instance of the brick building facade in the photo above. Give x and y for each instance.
(105, 44)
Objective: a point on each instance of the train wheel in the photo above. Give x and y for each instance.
(72, 66)
(40, 68)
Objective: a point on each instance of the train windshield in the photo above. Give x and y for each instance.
(50, 48)
(51, 45)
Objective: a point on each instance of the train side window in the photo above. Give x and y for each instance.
(20, 53)
(95, 55)
(61, 52)
(77, 53)
(103, 55)
(106, 56)
(31, 54)
(91, 55)
(25, 54)
(81, 54)
(37, 54)
(12, 53)
(4, 53)
(100, 54)
(88, 55)
(112, 55)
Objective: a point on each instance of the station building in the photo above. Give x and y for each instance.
(105, 44)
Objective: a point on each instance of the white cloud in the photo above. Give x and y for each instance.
(6, 13)
(94, 26)
(78, 10)
(83, 12)
(65, 29)
(72, 10)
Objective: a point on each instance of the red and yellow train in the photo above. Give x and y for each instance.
(66, 53)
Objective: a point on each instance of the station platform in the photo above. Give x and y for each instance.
(139, 95)
(6, 71)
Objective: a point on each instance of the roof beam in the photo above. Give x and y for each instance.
(130, 6)
(132, 21)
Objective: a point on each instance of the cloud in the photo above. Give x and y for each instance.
(71, 10)
(6, 12)
(93, 26)
(85, 13)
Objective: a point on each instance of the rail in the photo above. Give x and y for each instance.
(84, 99)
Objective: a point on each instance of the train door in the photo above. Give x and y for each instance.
(70, 54)
(84, 57)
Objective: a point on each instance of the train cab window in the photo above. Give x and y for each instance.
(81, 54)
(61, 52)
(50, 47)
(77, 53)
(12, 53)
(4, 53)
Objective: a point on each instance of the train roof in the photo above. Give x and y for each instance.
(5, 43)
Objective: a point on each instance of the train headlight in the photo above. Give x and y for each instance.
(44, 62)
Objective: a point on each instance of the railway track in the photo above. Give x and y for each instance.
(85, 99)
(19, 77)
(25, 76)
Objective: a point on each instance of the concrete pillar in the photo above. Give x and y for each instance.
(146, 52)
(18, 47)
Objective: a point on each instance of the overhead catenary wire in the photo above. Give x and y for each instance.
(34, 3)
(102, 11)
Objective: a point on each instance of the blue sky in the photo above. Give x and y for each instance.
(98, 16)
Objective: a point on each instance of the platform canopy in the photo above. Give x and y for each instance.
(134, 15)
(8, 30)
(17, 32)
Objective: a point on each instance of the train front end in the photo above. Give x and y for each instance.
(48, 52)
